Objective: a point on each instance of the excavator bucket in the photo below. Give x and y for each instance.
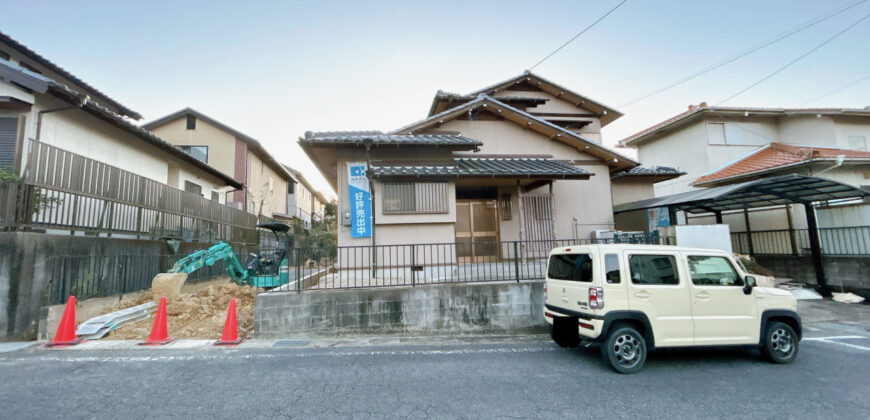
(167, 285)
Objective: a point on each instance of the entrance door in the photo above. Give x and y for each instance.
(477, 230)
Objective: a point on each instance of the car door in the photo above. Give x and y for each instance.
(722, 313)
(659, 289)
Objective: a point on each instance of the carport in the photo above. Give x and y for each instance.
(765, 192)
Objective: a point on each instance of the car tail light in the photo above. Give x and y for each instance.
(545, 292)
(596, 298)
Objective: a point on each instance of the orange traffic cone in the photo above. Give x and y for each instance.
(230, 336)
(159, 336)
(66, 330)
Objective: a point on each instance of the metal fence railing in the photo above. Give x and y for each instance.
(838, 241)
(65, 191)
(97, 276)
(438, 263)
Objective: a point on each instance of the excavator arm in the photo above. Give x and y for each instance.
(220, 251)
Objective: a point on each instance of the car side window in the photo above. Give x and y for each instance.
(653, 269)
(713, 271)
(611, 268)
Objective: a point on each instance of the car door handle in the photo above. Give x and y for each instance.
(702, 296)
(643, 294)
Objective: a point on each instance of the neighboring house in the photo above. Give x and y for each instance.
(307, 204)
(518, 160)
(725, 145)
(267, 182)
(43, 105)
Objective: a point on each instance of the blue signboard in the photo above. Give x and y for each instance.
(359, 195)
(657, 217)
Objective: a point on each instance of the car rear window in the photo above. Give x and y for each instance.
(573, 267)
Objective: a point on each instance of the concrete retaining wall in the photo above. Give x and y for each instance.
(24, 274)
(454, 309)
(851, 272)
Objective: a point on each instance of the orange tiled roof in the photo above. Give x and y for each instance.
(776, 155)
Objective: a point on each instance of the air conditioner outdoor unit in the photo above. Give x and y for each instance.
(603, 234)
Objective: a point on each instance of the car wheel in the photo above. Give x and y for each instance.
(563, 334)
(625, 350)
(780, 343)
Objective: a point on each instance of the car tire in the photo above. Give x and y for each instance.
(780, 343)
(625, 349)
(563, 334)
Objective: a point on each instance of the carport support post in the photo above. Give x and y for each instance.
(718, 214)
(816, 250)
(748, 233)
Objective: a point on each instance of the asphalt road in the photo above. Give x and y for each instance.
(531, 379)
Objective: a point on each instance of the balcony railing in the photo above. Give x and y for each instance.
(63, 190)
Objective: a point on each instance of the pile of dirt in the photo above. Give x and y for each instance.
(199, 312)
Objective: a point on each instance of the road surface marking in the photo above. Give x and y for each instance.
(833, 340)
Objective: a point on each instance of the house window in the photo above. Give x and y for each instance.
(191, 122)
(415, 197)
(291, 187)
(199, 153)
(8, 136)
(4, 55)
(505, 207)
(858, 143)
(715, 133)
(193, 188)
(215, 196)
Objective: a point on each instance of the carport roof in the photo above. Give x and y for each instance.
(779, 190)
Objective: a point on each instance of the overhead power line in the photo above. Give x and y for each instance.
(852, 83)
(578, 35)
(806, 25)
(790, 63)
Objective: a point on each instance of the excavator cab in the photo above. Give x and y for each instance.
(268, 267)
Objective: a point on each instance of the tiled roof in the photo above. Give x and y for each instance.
(776, 155)
(655, 171)
(532, 122)
(380, 138)
(489, 167)
(21, 48)
(743, 111)
(608, 114)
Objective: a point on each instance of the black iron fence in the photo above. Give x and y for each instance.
(96, 276)
(839, 241)
(438, 263)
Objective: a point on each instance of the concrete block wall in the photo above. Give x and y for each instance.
(24, 272)
(506, 307)
(850, 272)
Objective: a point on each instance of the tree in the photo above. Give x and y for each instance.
(321, 240)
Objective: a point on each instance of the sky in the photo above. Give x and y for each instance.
(274, 70)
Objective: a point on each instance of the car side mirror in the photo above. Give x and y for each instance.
(748, 284)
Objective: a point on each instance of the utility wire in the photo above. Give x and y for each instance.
(852, 83)
(744, 53)
(789, 64)
(578, 35)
